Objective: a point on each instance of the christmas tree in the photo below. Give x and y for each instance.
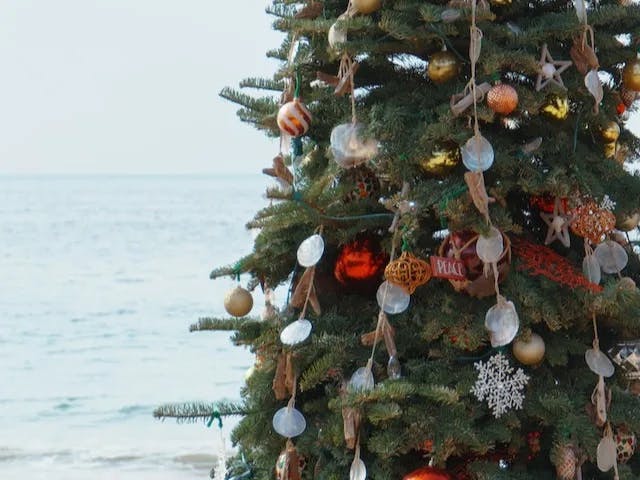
(451, 215)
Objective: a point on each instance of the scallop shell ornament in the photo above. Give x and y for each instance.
(294, 118)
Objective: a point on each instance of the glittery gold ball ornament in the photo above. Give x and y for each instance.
(627, 97)
(592, 222)
(531, 351)
(556, 107)
(610, 132)
(631, 75)
(294, 118)
(502, 99)
(443, 66)
(367, 6)
(238, 302)
(628, 222)
(443, 159)
(566, 462)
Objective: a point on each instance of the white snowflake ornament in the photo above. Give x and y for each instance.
(499, 385)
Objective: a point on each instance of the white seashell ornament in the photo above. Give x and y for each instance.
(289, 422)
(599, 363)
(349, 147)
(392, 298)
(611, 256)
(310, 251)
(477, 154)
(491, 247)
(503, 323)
(591, 269)
(296, 332)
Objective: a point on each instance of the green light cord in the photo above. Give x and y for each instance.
(237, 270)
(215, 415)
(296, 196)
(296, 94)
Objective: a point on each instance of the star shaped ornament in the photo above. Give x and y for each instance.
(558, 222)
(550, 70)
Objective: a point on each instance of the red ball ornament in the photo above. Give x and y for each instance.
(545, 203)
(360, 262)
(428, 473)
(294, 118)
(462, 246)
(621, 108)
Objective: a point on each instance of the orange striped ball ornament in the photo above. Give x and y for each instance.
(294, 118)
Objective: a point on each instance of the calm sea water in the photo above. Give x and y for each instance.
(100, 278)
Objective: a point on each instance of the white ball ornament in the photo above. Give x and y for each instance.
(392, 298)
(531, 351)
(294, 118)
(310, 251)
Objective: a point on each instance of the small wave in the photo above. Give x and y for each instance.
(130, 409)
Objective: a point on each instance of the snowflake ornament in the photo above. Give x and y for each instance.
(608, 204)
(499, 385)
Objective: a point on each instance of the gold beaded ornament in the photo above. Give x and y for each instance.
(593, 222)
(294, 118)
(408, 272)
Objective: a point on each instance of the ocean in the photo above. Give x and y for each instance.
(100, 278)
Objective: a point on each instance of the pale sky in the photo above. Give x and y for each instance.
(130, 86)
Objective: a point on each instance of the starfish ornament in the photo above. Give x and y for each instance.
(558, 222)
(550, 70)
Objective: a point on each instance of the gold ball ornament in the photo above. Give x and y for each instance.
(556, 107)
(367, 6)
(502, 99)
(294, 118)
(628, 223)
(610, 132)
(443, 66)
(500, 3)
(631, 75)
(443, 159)
(238, 302)
(531, 351)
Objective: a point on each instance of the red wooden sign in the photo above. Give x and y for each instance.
(449, 268)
